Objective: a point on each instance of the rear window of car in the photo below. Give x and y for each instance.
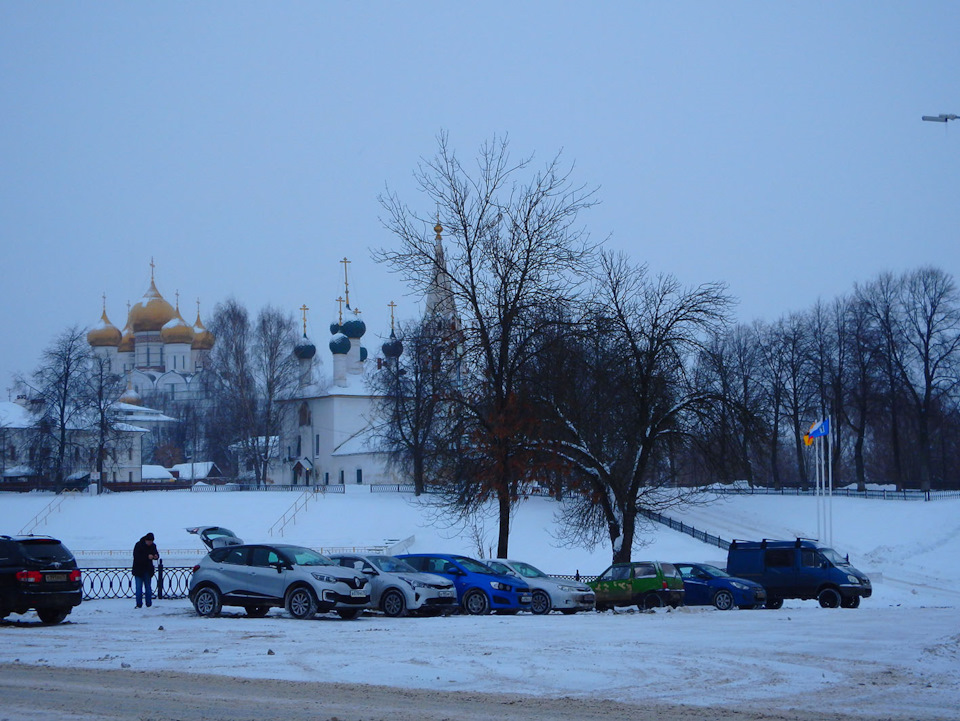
(236, 555)
(779, 557)
(670, 570)
(644, 570)
(45, 550)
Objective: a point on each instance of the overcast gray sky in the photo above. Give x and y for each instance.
(774, 146)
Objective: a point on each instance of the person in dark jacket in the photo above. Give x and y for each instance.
(144, 554)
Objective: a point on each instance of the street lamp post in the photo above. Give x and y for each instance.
(941, 118)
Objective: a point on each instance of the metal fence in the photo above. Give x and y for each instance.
(104, 583)
(902, 495)
(686, 528)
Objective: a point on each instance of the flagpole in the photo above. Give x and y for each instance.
(830, 476)
(816, 492)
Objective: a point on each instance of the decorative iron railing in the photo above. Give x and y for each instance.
(104, 583)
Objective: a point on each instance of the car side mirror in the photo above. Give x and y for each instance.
(369, 572)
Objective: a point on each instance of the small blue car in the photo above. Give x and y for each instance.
(704, 585)
(480, 589)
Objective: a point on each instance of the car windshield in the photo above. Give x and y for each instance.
(45, 550)
(391, 564)
(501, 568)
(714, 572)
(473, 566)
(528, 571)
(305, 556)
(835, 558)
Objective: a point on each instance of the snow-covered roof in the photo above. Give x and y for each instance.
(14, 415)
(193, 471)
(155, 473)
(18, 472)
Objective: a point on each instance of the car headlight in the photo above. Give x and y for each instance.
(853, 579)
(414, 584)
(499, 586)
(741, 586)
(569, 589)
(323, 577)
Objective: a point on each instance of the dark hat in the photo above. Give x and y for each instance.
(148, 537)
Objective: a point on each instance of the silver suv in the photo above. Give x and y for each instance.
(259, 577)
(398, 588)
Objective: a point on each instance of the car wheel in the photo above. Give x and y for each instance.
(851, 602)
(348, 614)
(540, 604)
(207, 601)
(723, 600)
(774, 603)
(476, 603)
(393, 604)
(829, 598)
(51, 616)
(650, 602)
(256, 611)
(301, 603)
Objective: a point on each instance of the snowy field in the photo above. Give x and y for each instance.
(897, 656)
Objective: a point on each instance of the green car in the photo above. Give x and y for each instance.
(645, 584)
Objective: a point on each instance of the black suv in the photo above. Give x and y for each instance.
(39, 573)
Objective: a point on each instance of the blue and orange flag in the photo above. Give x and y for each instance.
(817, 430)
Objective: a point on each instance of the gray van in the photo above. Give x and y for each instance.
(799, 569)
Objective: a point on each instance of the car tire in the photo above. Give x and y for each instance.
(301, 602)
(774, 603)
(829, 598)
(52, 616)
(476, 603)
(256, 611)
(348, 614)
(393, 603)
(851, 602)
(541, 603)
(601, 607)
(207, 601)
(650, 602)
(723, 600)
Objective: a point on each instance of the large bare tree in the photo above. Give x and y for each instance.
(513, 251)
(627, 401)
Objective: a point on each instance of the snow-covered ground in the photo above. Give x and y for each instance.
(898, 655)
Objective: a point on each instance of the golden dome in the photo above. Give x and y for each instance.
(132, 397)
(127, 342)
(104, 334)
(202, 339)
(177, 330)
(152, 312)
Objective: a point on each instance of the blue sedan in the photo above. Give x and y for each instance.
(704, 585)
(480, 589)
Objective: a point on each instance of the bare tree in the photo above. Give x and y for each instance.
(626, 400)
(515, 251)
(98, 394)
(55, 387)
(253, 368)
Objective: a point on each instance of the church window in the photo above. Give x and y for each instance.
(359, 475)
(174, 362)
(341, 476)
(130, 476)
(316, 445)
(148, 356)
(326, 478)
(173, 390)
(304, 414)
(129, 454)
(298, 446)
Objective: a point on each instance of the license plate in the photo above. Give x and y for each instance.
(526, 599)
(445, 594)
(357, 593)
(56, 577)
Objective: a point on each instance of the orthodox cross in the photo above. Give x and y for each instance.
(303, 310)
(346, 283)
(152, 266)
(177, 294)
(340, 309)
(104, 296)
(391, 305)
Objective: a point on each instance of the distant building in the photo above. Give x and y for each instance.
(162, 355)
